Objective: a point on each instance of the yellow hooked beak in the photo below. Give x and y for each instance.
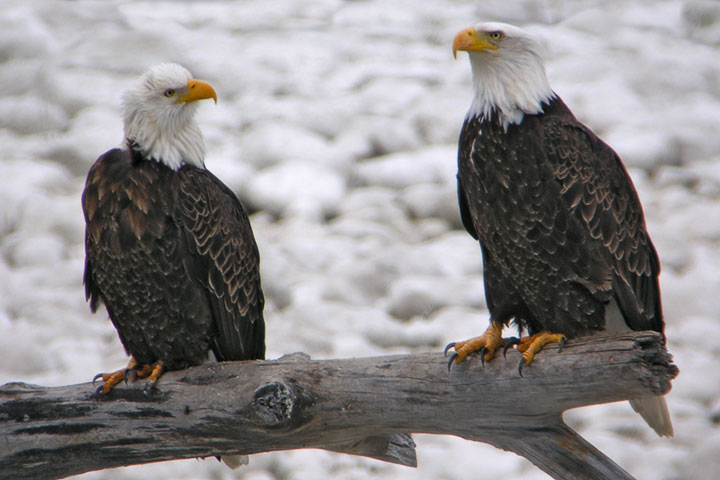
(197, 90)
(469, 41)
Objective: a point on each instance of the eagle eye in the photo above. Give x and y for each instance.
(169, 92)
(495, 35)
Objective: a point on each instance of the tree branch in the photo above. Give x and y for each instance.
(364, 406)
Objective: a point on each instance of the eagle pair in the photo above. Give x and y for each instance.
(171, 254)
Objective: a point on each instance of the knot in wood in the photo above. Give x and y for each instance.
(274, 404)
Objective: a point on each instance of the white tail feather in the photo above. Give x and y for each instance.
(235, 461)
(655, 412)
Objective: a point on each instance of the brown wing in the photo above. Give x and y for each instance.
(173, 258)
(134, 262)
(224, 260)
(560, 223)
(600, 193)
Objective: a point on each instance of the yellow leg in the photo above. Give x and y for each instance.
(155, 371)
(529, 346)
(152, 372)
(112, 379)
(144, 371)
(486, 343)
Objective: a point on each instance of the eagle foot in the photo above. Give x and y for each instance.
(486, 344)
(112, 379)
(531, 345)
(152, 373)
(133, 371)
(137, 371)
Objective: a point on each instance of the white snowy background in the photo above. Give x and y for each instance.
(337, 124)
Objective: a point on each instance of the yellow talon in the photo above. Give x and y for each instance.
(486, 343)
(151, 372)
(529, 346)
(156, 370)
(112, 379)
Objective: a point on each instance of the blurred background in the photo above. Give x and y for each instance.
(337, 126)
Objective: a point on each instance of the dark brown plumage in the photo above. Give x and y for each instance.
(560, 225)
(565, 248)
(173, 258)
(169, 248)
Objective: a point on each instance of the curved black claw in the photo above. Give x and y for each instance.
(95, 378)
(149, 387)
(448, 347)
(98, 392)
(511, 342)
(129, 372)
(483, 351)
(452, 359)
(521, 363)
(563, 341)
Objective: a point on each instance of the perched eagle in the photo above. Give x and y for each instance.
(169, 248)
(563, 238)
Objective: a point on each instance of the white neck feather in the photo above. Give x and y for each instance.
(510, 85)
(169, 137)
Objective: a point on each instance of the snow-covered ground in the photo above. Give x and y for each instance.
(337, 123)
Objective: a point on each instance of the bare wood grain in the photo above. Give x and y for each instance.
(363, 406)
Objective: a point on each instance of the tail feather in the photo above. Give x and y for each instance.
(655, 412)
(235, 461)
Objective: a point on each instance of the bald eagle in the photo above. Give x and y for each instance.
(561, 229)
(169, 248)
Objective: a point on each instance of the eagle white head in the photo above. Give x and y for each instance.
(158, 115)
(508, 68)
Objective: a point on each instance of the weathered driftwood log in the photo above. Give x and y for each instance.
(364, 406)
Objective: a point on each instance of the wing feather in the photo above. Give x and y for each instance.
(465, 214)
(225, 260)
(599, 192)
(560, 222)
